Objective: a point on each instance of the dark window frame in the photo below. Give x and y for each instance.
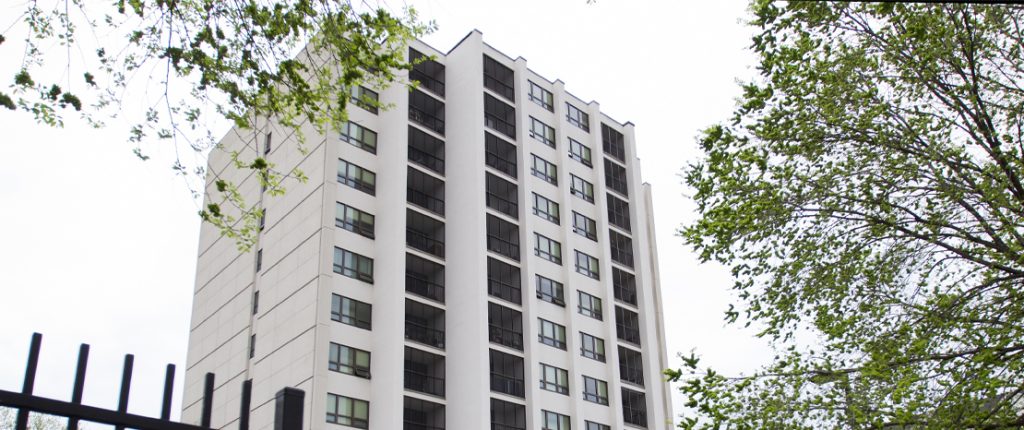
(345, 420)
(362, 263)
(542, 207)
(543, 97)
(556, 339)
(589, 227)
(355, 176)
(548, 171)
(552, 249)
(592, 347)
(502, 237)
(590, 305)
(577, 117)
(363, 312)
(550, 290)
(347, 134)
(497, 150)
(335, 362)
(358, 223)
(592, 388)
(542, 132)
(592, 268)
(581, 153)
(581, 188)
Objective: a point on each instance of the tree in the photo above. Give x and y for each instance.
(867, 195)
(194, 63)
(36, 421)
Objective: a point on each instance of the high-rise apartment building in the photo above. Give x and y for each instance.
(480, 255)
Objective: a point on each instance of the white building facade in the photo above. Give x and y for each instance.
(480, 255)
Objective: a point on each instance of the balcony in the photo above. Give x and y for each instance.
(500, 155)
(499, 116)
(424, 372)
(429, 73)
(426, 150)
(425, 191)
(499, 78)
(424, 324)
(502, 237)
(426, 111)
(424, 278)
(505, 326)
(422, 415)
(507, 374)
(502, 195)
(424, 233)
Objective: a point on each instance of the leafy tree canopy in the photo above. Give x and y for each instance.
(174, 67)
(867, 194)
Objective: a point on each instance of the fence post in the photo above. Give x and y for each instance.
(288, 409)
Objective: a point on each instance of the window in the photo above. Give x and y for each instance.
(631, 366)
(541, 132)
(503, 281)
(351, 312)
(425, 191)
(348, 411)
(252, 346)
(541, 168)
(593, 347)
(507, 415)
(266, 144)
(255, 302)
(259, 260)
(499, 116)
(502, 237)
(622, 248)
(584, 226)
(505, 326)
(424, 278)
(426, 111)
(550, 291)
(590, 425)
(552, 334)
(507, 374)
(542, 97)
(615, 177)
(618, 212)
(424, 372)
(624, 284)
(634, 407)
(555, 421)
(424, 324)
(429, 73)
(545, 208)
(359, 136)
(348, 263)
(614, 143)
(548, 249)
(349, 360)
(627, 325)
(263, 218)
(590, 306)
(499, 78)
(501, 155)
(579, 152)
(354, 220)
(554, 379)
(426, 150)
(365, 98)
(595, 390)
(424, 233)
(502, 195)
(587, 265)
(357, 177)
(581, 188)
(577, 117)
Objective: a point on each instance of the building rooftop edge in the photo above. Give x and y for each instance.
(549, 81)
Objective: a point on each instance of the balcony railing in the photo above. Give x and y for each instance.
(427, 120)
(427, 82)
(424, 383)
(419, 286)
(425, 201)
(424, 242)
(501, 164)
(499, 125)
(425, 335)
(508, 385)
(499, 426)
(503, 205)
(501, 290)
(625, 294)
(412, 425)
(507, 337)
(503, 247)
(426, 159)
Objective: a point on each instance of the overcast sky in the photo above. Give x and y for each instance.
(97, 246)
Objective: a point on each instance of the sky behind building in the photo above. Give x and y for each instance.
(100, 247)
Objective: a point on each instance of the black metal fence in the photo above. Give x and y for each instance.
(287, 416)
